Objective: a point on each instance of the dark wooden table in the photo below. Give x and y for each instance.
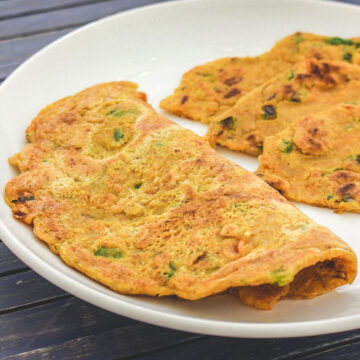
(40, 321)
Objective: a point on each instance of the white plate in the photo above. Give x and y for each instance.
(153, 46)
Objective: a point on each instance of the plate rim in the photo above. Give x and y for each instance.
(153, 316)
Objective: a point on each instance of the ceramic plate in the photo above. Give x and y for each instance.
(154, 46)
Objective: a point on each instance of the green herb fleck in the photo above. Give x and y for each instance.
(159, 144)
(170, 273)
(108, 252)
(347, 57)
(299, 39)
(138, 185)
(279, 276)
(44, 161)
(261, 148)
(347, 197)
(338, 41)
(351, 103)
(23, 199)
(329, 197)
(287, 146)
(292, 74)
(120, 112)
(118, 135)
(269, 112)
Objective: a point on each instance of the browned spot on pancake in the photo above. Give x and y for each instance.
(184, 99)
(232, 92)
(232, 81)
(345, 189)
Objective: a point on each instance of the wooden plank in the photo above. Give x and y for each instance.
(346, 352)
(14, 52)
(9, 262)
(12, 8)
(24, 289)
(64, 18)
(73, 329)
(259, 349)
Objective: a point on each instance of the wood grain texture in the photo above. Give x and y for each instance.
(40, 321)
(73, 329)
(260, 349)
(25, 288)
(9, 262)
(64, 18)
(14, 52)
(12, 8)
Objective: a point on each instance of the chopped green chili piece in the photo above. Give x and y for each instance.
(269, 112)
(138, 185)
(329, 197)
(170, 273)
(108, 252)
(118, 135)
(292, 74)
(347, 57)
(287, 146)
(228, 122)
(339, 41)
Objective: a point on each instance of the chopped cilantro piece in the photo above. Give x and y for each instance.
(338, 41)
(287, 146)
(138, 185)
(22, 199)
(347, 57)
(329, 197)
(108, 252)
(118, 135)
(170, 273)
(292, 74)
(261, 148)
(120, 112)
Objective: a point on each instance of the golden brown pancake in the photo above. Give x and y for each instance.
(316, 160)
(144, 206)
(208, 91)
(309, 87)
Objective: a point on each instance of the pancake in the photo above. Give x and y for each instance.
(309, 87)
(207, 91)
(144, 206)
(316, 160)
